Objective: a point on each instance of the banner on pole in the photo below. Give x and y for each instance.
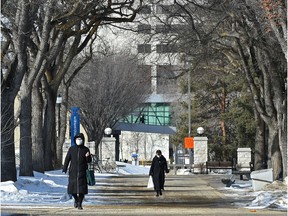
(74, 123)
(189, 142)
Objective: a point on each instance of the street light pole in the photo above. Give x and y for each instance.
(188, 59)
(58, 102)
(189, 104)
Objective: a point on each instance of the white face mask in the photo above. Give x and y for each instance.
(158, 156)
(79, 141)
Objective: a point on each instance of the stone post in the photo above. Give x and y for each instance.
(200, 154)
(243, 159)
(107, 148)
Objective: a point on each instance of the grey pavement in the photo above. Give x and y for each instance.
(128, 195)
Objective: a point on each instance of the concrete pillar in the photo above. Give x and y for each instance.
(107, 148)
(200, 154)
(243, 159)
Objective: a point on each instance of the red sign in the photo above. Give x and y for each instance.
(189, 142)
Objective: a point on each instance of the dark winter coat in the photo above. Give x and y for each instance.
(76, 157)
(157, 171)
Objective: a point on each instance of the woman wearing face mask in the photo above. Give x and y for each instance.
(157, 171)
(77, 156)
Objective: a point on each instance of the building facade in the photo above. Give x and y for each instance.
(160, 62)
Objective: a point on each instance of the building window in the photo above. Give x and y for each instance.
(145, 10)
(151, 114)
(145, 29)
(145, 71)
(163, 9)
(167, 78)
(169, 9)
(178, 28)
(164, 29)
(144, 48)
(166, 48)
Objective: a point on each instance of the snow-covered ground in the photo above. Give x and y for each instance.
(50, 188)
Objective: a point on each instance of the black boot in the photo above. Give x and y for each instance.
(75, 200)
(75, 204)
(80, 200)
(80, 205)
(157, 193)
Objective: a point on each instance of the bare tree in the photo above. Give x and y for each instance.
(237, 30)
(250, 37)
(108, 88)
(41, 41)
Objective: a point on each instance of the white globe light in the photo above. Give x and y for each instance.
(108, 131)
(59, 99)
(200, 130)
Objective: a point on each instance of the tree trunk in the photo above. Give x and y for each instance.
(260, 154)
(26, 167)
(49, 133)
(222, 106)
(9, 91)
(8, 166)
(280, 105)
(274, 154)
(267, 110)
(283, 140)
(37, 130)
(97, 143)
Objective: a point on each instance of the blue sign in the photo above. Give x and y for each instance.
(74, 124)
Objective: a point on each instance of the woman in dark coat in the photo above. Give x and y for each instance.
(157, 171)
(77, 156)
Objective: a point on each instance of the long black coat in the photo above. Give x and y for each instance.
(157, 171)
(76, 156)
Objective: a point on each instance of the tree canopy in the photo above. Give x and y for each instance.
(40, 41)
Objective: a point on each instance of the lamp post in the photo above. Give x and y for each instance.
(108, 131)
(189, 59)
(115, 137)
(58, 102)
(200, 130)
(189, 104)
(104, 141)
(200, 151)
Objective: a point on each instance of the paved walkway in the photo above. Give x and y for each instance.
(128, 195)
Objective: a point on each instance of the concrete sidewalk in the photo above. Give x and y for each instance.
(128, 195)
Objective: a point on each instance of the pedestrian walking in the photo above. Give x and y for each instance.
(157, 171)
(77, 158)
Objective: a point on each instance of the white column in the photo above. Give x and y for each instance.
(107, 149)
(243, 159)
(200, 154)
